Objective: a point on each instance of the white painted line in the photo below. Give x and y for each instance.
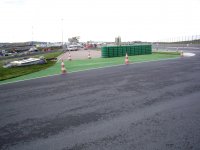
(29, 79)
(188, 54)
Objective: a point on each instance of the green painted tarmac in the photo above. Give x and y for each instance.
(80, 65)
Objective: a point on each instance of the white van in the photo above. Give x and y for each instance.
(72, 48)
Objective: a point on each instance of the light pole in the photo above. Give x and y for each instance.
(32, 35)
(62, 30)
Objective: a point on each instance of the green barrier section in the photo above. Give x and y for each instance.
(117, 51)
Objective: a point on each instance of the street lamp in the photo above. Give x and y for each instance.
(32, 35)
(62, 30)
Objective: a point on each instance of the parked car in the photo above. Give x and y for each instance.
(72, 48)
(9, 54)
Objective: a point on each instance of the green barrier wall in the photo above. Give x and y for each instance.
(117, 51)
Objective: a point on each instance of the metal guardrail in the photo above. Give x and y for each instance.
(176, 46)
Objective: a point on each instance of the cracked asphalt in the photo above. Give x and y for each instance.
(144, 106)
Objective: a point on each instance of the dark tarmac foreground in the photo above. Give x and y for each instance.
(146, 106)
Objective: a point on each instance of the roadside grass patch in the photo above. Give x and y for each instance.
(7, 73)
(167, 52)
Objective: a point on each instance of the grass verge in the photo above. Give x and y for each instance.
(167, 52)
(7, 73)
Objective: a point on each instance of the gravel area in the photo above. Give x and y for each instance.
(81, 54)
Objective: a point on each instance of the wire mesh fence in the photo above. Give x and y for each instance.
(183, 42)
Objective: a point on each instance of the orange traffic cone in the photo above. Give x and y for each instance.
(126, 59)
(69, 57)
(63, 70)
(181, 53)
(89, 57)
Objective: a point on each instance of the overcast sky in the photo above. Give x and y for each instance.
(98, 20)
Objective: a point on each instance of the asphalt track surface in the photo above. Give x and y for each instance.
(146, 106)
